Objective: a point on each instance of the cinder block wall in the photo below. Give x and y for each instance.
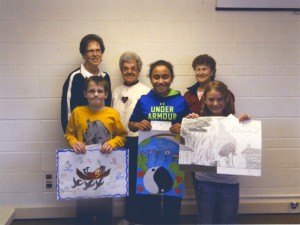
(258, 56)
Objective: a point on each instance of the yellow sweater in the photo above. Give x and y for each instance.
(95, 127)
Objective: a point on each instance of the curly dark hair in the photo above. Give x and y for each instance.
(206, 60)
(87, 39)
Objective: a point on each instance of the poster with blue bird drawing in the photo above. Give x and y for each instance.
(157, 170)
(91, 175)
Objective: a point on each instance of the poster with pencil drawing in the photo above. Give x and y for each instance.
(91, 175)
(158, 172)
(224, 142)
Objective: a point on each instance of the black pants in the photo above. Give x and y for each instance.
(147, 209)
(94, 211)
(156, 209)
(130, 202)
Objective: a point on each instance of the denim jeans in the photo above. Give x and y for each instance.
(217, 203)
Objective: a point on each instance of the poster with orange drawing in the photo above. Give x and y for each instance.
(91, 175)
(158, 172)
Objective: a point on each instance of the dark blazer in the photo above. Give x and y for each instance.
(77, 97)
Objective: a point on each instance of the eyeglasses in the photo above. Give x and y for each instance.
(93, 91)
(92, 51)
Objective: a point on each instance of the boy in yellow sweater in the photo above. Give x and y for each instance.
(95, 124)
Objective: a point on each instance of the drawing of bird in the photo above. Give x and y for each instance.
(98, 173)
(77, 182)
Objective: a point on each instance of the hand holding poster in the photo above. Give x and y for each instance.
(224, 142)
(91, 175)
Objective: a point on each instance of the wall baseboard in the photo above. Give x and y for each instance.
(250, 206)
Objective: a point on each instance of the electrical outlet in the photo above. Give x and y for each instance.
(49, 181)
(294, 205)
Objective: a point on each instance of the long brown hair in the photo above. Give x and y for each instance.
(225, 93)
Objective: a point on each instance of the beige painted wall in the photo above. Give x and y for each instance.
(258, 56)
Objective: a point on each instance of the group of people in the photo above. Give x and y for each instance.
(88, 105)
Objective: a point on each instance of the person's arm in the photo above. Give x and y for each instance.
(106, 148)
(175, 128)
(188, 98)
(192, 116)
(144, 125)
(119, 136)
(185, 112)
(244, 117)
(137, 121)
(64, 105)
(133, 126)
(77, 98)
(71, 137)
(79, 147)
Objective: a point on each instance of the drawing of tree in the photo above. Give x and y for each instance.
(228, 150)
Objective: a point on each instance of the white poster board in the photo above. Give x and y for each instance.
(234, 147)
(91, 175)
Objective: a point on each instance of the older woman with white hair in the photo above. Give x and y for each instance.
(124, 99)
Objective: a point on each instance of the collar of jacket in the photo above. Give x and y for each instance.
(193, 89)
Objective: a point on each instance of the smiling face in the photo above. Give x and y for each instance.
(93, 55)
(130, 72)
(95, 95)
(203, 74)
(215, 102)
(161, 80)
